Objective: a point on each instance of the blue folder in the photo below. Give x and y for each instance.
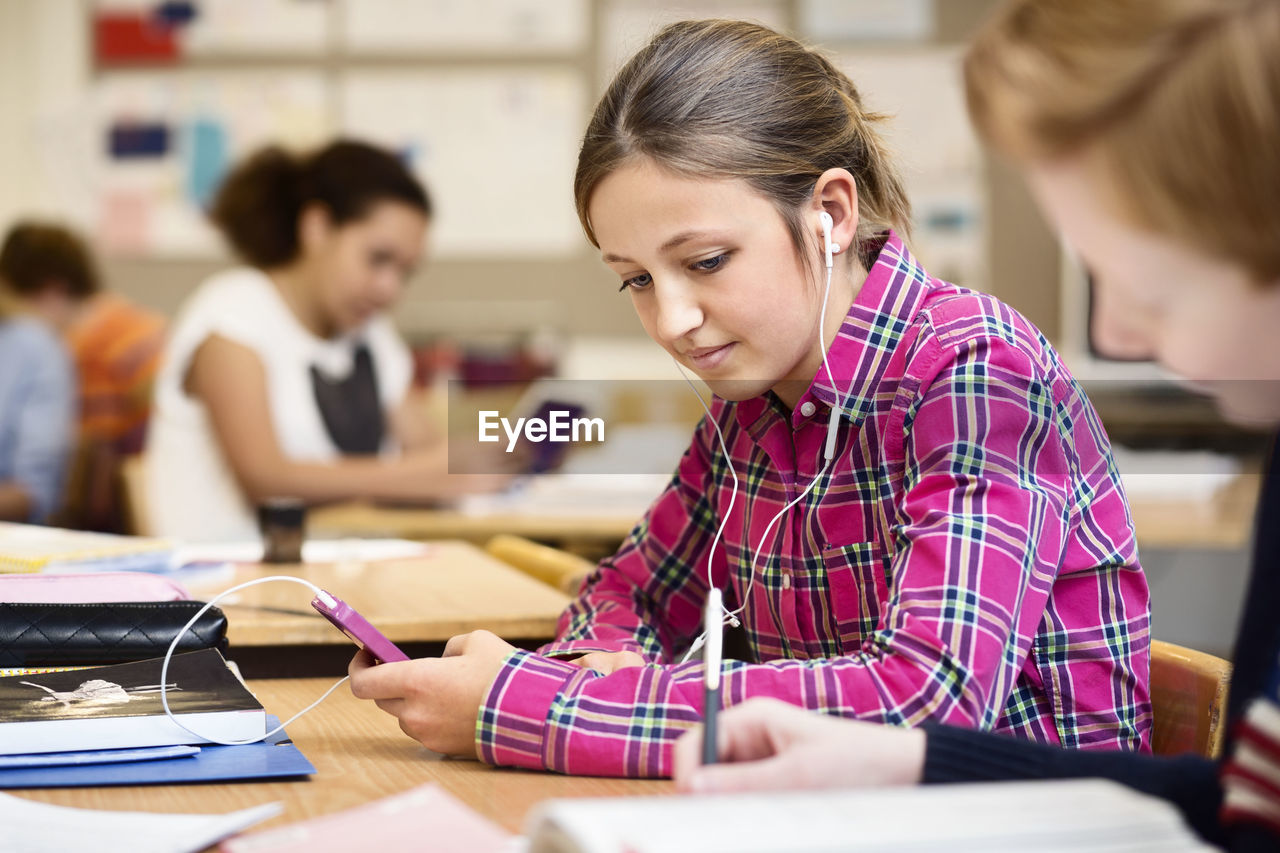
(273, 758)
(95, 756)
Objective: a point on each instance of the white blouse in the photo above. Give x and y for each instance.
(190, 491)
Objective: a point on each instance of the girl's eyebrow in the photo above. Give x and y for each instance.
(675, 242)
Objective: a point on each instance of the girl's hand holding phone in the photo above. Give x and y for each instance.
(436, 700)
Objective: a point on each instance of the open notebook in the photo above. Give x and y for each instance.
(1075, 815)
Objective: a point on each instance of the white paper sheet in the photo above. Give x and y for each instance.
(35, 827)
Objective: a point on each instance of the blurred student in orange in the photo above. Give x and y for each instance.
(114, 345)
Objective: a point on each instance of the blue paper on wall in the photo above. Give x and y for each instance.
(207, 160)
(130, 140)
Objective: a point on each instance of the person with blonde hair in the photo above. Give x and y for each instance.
(1148, 130)
(906, 498)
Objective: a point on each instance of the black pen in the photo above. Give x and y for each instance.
(712, 625)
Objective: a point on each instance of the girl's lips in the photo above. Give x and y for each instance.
(709, 358)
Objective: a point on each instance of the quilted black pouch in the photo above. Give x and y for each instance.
(116, 632)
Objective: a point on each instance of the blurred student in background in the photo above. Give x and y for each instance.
(115, 346)
(285, 377)
(37, 408)
(1148, 131)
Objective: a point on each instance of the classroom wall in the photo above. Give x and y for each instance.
(46, 66)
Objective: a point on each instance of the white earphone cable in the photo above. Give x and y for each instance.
(733, 497)
(164, 667)
(731, 616)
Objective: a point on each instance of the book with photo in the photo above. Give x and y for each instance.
(112, 707)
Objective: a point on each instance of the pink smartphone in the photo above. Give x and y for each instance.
(357, 628)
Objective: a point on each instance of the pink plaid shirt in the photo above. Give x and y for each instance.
(970, 559)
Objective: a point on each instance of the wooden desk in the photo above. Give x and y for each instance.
(593, 535)
(453, 589)
(360, 755)
(363, 519)
(589, 515)
(1224, 522)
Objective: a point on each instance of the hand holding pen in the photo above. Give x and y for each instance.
(713, 625)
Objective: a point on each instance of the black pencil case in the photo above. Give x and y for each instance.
(117, 632)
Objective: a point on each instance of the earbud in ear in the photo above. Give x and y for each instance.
(825, 220)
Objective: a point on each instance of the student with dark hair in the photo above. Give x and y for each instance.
(284, 377)
(114, 344)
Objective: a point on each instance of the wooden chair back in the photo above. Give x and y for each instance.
(1188, 699)
(552, 566)
(133, 490)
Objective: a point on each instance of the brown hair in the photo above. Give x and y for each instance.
(258, 205)
(729, 99)
(37, 255)
(1177, 102)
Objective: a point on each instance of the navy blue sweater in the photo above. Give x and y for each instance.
(1188, 781)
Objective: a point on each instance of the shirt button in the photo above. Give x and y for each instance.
(786, 581)
(807, 408)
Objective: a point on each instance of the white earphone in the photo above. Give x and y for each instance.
(828, 248)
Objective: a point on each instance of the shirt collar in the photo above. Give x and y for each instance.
(886, 303)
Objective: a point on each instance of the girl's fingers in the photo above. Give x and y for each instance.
(742, 776)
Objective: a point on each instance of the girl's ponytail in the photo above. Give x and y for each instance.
(258, 205)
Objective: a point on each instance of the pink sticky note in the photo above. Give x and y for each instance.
(424, 816)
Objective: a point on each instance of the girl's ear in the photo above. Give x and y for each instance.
(314, 228)
(836, 193)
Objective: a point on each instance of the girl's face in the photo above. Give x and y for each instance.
(362, 266)
(715, 278)
(1201, 316)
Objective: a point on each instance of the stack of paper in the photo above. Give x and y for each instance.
(1180, 475)
(30, 548)
(62, 727)
(274, 758)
